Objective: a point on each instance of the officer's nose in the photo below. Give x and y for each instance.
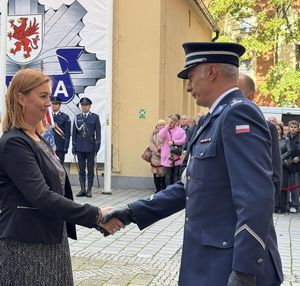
(189, 86)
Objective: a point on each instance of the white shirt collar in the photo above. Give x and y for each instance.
(217, 101)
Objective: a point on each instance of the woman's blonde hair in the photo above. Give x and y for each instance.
(24, 81)
(160, 121)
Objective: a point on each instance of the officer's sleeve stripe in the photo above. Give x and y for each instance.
(246, 227)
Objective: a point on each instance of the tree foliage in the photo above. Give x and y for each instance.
(269, 25)
(283, 82)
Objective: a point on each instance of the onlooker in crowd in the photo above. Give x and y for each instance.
(62, 130)
(173, 138)
(37, 212)
(198, 116)
(293, 144)
(272, 119)
(247, 86)
(229, 235)
(86, 139)
(178, 119)
(285, 130)
(191, 122)
(184, 123)
(281, 197)
(157, 168)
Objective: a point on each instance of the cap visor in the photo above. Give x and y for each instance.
(184, 74)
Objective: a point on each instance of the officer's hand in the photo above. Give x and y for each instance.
(124, 214)
(102, 230)
(73, 151)
(241, 279)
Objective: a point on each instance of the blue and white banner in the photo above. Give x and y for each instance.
(67, 40)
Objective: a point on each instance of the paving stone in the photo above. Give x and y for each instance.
(152, 257)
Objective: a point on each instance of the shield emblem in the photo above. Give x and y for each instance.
(24, 37)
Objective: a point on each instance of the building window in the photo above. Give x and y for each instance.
(247, 24)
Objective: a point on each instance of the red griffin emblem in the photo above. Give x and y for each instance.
(24, 35)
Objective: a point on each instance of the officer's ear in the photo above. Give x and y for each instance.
(212, 71)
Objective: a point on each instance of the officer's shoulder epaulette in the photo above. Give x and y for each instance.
(235, 101)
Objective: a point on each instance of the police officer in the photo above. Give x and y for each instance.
(86, 139)
(62, 130)
(226, 190)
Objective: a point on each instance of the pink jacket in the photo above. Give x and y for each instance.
(178, 136)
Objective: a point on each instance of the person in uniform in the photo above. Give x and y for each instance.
(247, 87)
(86, 139)
(62, 130)
(226, 190)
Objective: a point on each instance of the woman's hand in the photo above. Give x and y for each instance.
(113, 225)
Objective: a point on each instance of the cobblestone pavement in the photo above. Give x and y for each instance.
(152, 256)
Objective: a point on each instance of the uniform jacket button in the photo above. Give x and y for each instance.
(187, 219)
(188, 178)
(224, 243)
(259, 261)
(187, 198)
(201, 154)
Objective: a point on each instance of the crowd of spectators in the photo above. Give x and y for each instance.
(168, 143)
(177, 131)
(289, 143)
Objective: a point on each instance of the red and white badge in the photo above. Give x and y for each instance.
(240, 129)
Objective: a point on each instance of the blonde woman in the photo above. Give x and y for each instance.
(37, 209)
(157, 169)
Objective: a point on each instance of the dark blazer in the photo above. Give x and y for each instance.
(228, 199)
(276, 158)
(64, 123)
(32, 208)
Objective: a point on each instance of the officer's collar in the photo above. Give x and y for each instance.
(220, 98)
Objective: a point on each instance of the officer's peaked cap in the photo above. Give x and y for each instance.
(85, 101)
(55, 100)
(210, 52)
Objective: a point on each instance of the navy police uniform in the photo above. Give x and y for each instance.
(62, 133)
(86, 139)
(226, 190)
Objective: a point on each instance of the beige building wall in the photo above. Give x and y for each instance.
(147, 57)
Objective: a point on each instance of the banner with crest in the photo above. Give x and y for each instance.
(67, 40)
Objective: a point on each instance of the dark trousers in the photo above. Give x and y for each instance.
(281, 197)
(172, 175)
(294, 180)
(160, 183)
(61, 156)
(86, 159)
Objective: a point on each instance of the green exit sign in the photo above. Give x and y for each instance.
(142, 113)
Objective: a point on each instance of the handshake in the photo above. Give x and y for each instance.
(112, 220)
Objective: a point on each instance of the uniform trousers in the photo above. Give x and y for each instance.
(86, 159)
